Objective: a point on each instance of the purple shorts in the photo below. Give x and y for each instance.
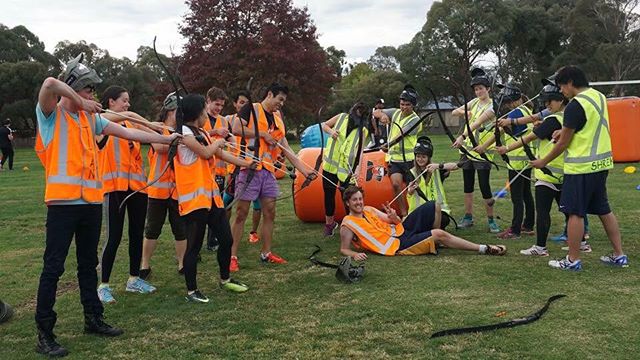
(263, 185)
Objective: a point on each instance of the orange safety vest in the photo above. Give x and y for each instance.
(373, 234)
(220, 122)
(195, 184)
(268, 153)
(70, 160)
(165, 186)
(121, 165)
(235, 151)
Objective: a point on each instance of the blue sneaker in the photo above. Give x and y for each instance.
(466, 222)
(105, 295)
(140, 286)
(493, 226)
(619, 261)
(559, 238)
(566, 264)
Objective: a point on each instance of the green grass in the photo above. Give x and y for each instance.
(299, 311)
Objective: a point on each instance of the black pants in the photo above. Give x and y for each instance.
(7, 154)
(63, 223)
(522, 201)
(544, 200)
(468, 178)
(197, 222)
(136, 208)
(330, 192)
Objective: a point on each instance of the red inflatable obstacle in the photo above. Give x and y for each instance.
(624, 122)
(373, 177)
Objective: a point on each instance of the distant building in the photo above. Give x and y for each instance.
(433, 125)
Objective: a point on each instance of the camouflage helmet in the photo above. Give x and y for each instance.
(78, 76)
(170, 102)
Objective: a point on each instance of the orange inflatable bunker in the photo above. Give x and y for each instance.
(624, 122)
(373, 177)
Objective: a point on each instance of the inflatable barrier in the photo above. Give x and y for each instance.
(373, 177)
(624, 120)
(310, 137)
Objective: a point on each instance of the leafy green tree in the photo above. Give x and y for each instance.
(385, 58)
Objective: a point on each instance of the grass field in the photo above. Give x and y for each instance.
(299, 311)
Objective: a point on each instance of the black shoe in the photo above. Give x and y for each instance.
(48, 345)
(94, 324)
(181, 271)
(197, 297)
(145, 273)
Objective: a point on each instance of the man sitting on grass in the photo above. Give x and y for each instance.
(386, 234)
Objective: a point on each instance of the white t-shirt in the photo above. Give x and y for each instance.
(185, 155)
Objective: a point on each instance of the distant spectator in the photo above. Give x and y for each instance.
(6, 144)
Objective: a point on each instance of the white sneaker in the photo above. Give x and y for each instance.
(584, 247)
(535, 250)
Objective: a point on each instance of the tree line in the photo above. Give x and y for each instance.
(230, 42)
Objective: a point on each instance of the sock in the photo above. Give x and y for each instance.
(224, 281)
(103, 285)
(264, 256)
(490, 218)
(483, 249)
(540, 247)
(468, 216)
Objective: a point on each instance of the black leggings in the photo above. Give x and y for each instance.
(197, 222)
(468, 177)
(522, 201)
(136, 208)
(544, 200)
(330, 192)
(7, 154)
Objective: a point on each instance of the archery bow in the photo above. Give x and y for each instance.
(173, 147)
(318, 163)
(507, 324)
(358, 157)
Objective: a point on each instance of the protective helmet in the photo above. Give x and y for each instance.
(409, 94)
(550, 91)
(479, 77)
(349, 273)
(78, 76)
(509, 93)
(424, 146)
(170, 102)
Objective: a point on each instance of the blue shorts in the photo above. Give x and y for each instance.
(418, 225)
(584, 194)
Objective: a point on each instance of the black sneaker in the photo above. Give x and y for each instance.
(181, 271)
(94, 324)
(48, 345)
(145, 273)
(197, 297)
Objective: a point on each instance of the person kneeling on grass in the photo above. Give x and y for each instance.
(369, 229)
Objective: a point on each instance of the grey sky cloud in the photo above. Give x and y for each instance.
(121, 26)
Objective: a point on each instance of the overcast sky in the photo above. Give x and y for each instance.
(121, 26)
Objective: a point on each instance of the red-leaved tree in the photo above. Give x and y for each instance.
(231, 41)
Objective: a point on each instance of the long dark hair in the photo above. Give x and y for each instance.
(113, 92)
(356, 116)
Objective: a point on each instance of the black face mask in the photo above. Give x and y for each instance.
(349, 273)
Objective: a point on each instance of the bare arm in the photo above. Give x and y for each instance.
(227, 157)
(138, 135)
(53, 88)
(138, 121)
(346, 236)
(295, 161)
(566, 135)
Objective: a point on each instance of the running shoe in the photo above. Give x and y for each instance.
(253, 237)
(329, 229)
(145, 273)
(559, 238)
(584, 247)
(619, 261)
(535, 250)
(197, 297)
(466, 222)
(496, 250)
(272, 258)
(233, 266)
(493, 226)
(105, 294)
(140, 286)
(234, 286)
(566, 264)
(508, 235)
